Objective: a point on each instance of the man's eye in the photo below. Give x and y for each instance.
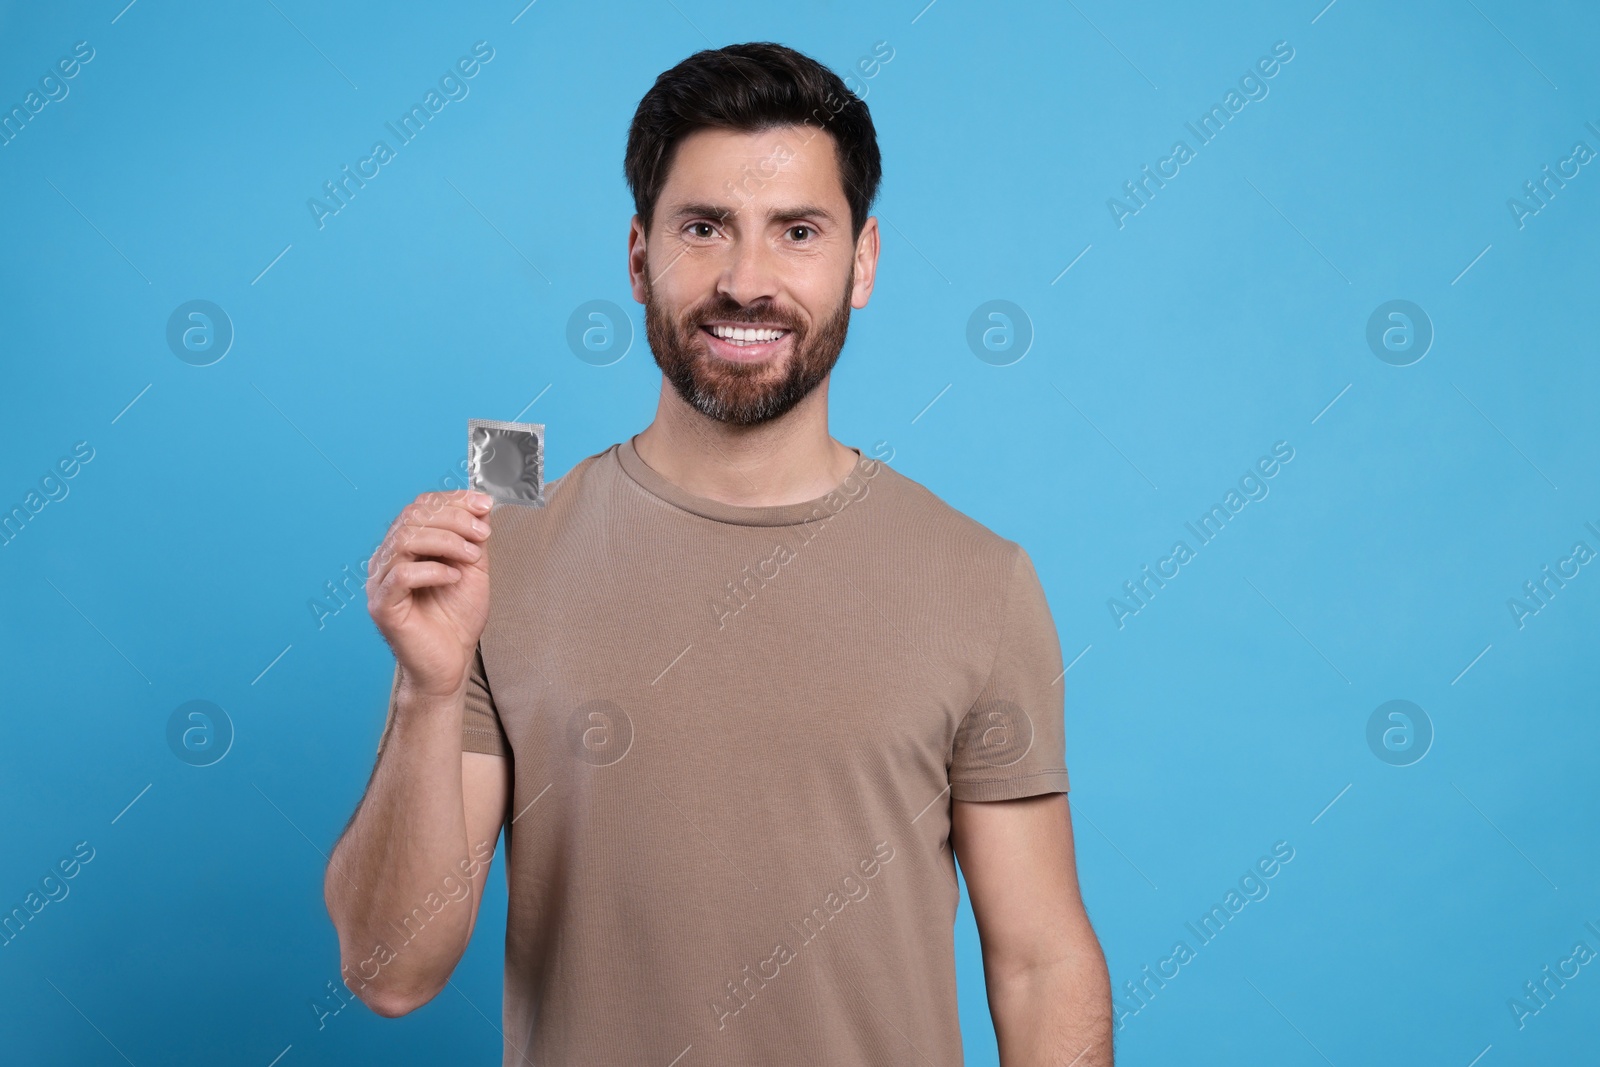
(804, 231)
(696, 227)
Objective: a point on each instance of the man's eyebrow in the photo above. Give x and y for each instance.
(801, 213)
(703, 210)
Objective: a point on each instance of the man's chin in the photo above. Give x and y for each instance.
(737, 393)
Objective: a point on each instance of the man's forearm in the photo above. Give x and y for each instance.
(1055, 1015)
(389, 871)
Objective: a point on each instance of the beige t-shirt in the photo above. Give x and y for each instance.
(735, 734)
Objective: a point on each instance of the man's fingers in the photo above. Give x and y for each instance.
(470, 499)
(417, 574)
(426, 505)
(447, 516)
(461, 514)
(425, 541)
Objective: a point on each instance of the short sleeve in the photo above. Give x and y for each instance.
(1011, 743)
(481, 730)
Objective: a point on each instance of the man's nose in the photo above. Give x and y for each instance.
(750, 273)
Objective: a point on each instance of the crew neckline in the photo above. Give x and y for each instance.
(656, 484)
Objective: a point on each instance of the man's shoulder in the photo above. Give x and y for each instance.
(927, 515)
(577, 472)
(561, 494)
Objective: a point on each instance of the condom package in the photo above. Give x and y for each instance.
(506, 460)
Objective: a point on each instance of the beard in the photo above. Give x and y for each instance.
(743, 394)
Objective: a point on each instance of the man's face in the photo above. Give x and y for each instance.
(749, 272)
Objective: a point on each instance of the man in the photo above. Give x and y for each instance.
(739, 689)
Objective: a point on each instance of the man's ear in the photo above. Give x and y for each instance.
(638, 260)
(866, 265)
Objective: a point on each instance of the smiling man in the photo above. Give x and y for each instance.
(740, 696)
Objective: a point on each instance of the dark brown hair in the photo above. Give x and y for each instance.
(750, 87)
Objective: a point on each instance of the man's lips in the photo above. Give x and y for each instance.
(749, 350)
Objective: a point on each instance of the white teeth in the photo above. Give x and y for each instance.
(741, 335)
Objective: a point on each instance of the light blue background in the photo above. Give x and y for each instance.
(1225, 316)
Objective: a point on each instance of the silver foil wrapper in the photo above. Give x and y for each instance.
(506, 460)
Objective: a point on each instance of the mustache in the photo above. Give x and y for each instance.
(726, 310)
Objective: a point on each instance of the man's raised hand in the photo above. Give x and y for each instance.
(428, 589)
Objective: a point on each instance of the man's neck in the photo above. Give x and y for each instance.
(787, 461)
